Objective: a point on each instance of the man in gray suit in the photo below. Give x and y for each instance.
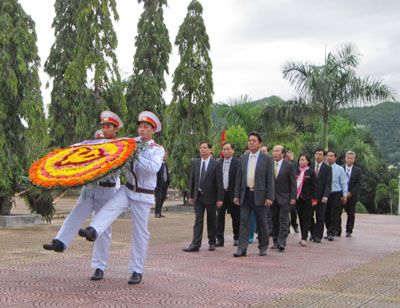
(285, 195)
(254, 190)
(206, 192)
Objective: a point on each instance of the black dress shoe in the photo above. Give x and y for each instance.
(240, 253)
(281, 248)
(211, 247)
(348, 234)
(135, 279)
(235, 243)
(275, 246)
(55, 245)
(263, 252)
(296, 229)
(98, 275)
(219, 244)
(90, 234)
(190, 249)
(330, 238)
(317, 240)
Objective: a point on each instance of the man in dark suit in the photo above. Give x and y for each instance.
(285, 196)
(228, 167)
(205, 192)
(254, 190)
(162, 187)
(293, 212)
(353, 195)
(323, 172)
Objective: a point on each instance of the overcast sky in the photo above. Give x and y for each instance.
(251, 39)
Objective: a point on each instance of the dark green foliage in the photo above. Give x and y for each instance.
(189, 114)
(20, 99)
(360, 208)
(84, 69)
(38, 200)
(147, 84)
(384, 122)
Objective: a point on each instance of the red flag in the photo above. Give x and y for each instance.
(223, 139)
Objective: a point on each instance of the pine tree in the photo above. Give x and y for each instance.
(189, 114)
(147, 84)
(21, 108)
(84, 67)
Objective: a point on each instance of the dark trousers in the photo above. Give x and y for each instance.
(160, 195)
(269, 220)
(280, 222)
(199, 208)
(293, 216)
(317, 226)
(234, 210)
(350, 209)
(305, 210)
(333, 212)
(261, 219)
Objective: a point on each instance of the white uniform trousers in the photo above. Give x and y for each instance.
(82, 210)
(140, 218)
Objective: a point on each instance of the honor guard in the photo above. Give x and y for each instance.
(92, 198)
(138, 194)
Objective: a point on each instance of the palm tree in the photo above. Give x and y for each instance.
(326, 88)
(387, 193)
(238, 111)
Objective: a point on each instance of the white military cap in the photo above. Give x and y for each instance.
(151, 118)
(110, 117)
(98, 134)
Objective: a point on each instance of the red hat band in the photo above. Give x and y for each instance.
(149, 120)
(110, 120)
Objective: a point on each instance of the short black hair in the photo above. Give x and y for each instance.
(306, 156)
(209, 145)
(227, 142)
(320, 150)
(331, 151)
(257, 134)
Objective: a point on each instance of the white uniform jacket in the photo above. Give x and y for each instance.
(145, 168)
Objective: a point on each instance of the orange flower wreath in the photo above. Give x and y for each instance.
(81, 163)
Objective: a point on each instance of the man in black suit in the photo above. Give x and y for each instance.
(254, 190)
(353, 195)
(162, 187)
(285, 196)
(293, 212)
(323, 172)
(205, 192)
(228, 167)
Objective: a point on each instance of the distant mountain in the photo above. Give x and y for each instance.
(384, 120)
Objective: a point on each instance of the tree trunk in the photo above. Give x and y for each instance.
(5, 205)
(325, 134)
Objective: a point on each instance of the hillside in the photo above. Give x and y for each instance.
(384, 120)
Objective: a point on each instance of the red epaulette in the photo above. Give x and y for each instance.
(156, 144)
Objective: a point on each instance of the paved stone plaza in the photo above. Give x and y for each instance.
(362, 271)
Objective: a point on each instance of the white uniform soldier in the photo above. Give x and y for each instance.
(138, 194)
(92, 198)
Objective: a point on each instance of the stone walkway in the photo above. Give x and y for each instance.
(362, 271)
